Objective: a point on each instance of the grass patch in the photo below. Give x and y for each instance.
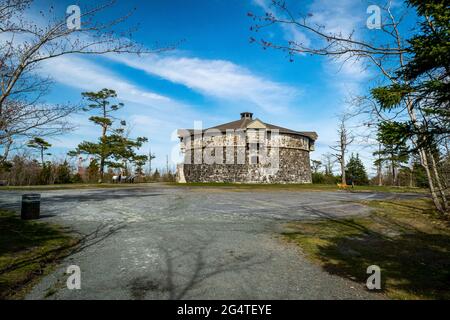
(405, 238)
(298, 187)
(28, 250)
(220, 185)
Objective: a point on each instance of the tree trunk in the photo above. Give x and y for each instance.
(423, 157)
(103, 141)
(379, 168)
(438, 182)
(102, 169)
(343, 179)
(6, 149)
(425, 165)
(394, 176)
(411, 175)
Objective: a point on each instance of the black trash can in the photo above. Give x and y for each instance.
(31, 206)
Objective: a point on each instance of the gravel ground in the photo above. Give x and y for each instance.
(166, 242)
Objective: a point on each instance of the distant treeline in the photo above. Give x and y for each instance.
(24, 171)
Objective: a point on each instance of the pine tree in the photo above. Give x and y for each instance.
(125, 149)
(41, 145)
(100, 101)
(113, 148)
(45, 174)
(429, 69)
(394, 149)
(77, 178)
(92, 171)
(355, 171)
(63, 173)
(156, 176)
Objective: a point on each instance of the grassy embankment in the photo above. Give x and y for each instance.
(300, 187)
(405, 238)
(28, 250)
(226, 186)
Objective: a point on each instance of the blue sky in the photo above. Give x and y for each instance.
(214, 74)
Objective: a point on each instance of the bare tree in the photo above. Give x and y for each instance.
(328, 161)
(315, 165)
(345, 139)
(27, 42)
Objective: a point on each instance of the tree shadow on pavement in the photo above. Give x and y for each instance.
(414, 263)
(83, 241)
(185, 269)
(100, 196)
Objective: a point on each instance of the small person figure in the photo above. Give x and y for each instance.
(351, 182)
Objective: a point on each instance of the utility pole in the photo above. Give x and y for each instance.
(167, 163)
(151, 156)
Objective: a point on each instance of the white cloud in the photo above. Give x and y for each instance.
(83, 74)
(339, 17)
(217, 78)
(344, 17)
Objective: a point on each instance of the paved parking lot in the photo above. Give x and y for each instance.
(167, 242)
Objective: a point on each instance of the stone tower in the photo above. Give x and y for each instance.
(247, 150)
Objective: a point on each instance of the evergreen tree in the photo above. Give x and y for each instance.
(63, 173)
(41, 145)
(156, 176)
(140, 167)
(429, 69)
(394, 149)
(100, 101)
(113, 148)
(355, 171)
(92, 171)
(424, 78)
(124, 149)
(77, 178)
(45, 174)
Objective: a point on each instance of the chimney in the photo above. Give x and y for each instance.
(246, 115)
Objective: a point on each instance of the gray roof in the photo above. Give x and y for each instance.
(244, 122)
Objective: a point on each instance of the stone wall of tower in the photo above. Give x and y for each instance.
(294, 168)
(293, 160)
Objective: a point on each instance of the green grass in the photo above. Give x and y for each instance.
(300, 187)
(224, 186)
(28, 250)
(406, 239)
